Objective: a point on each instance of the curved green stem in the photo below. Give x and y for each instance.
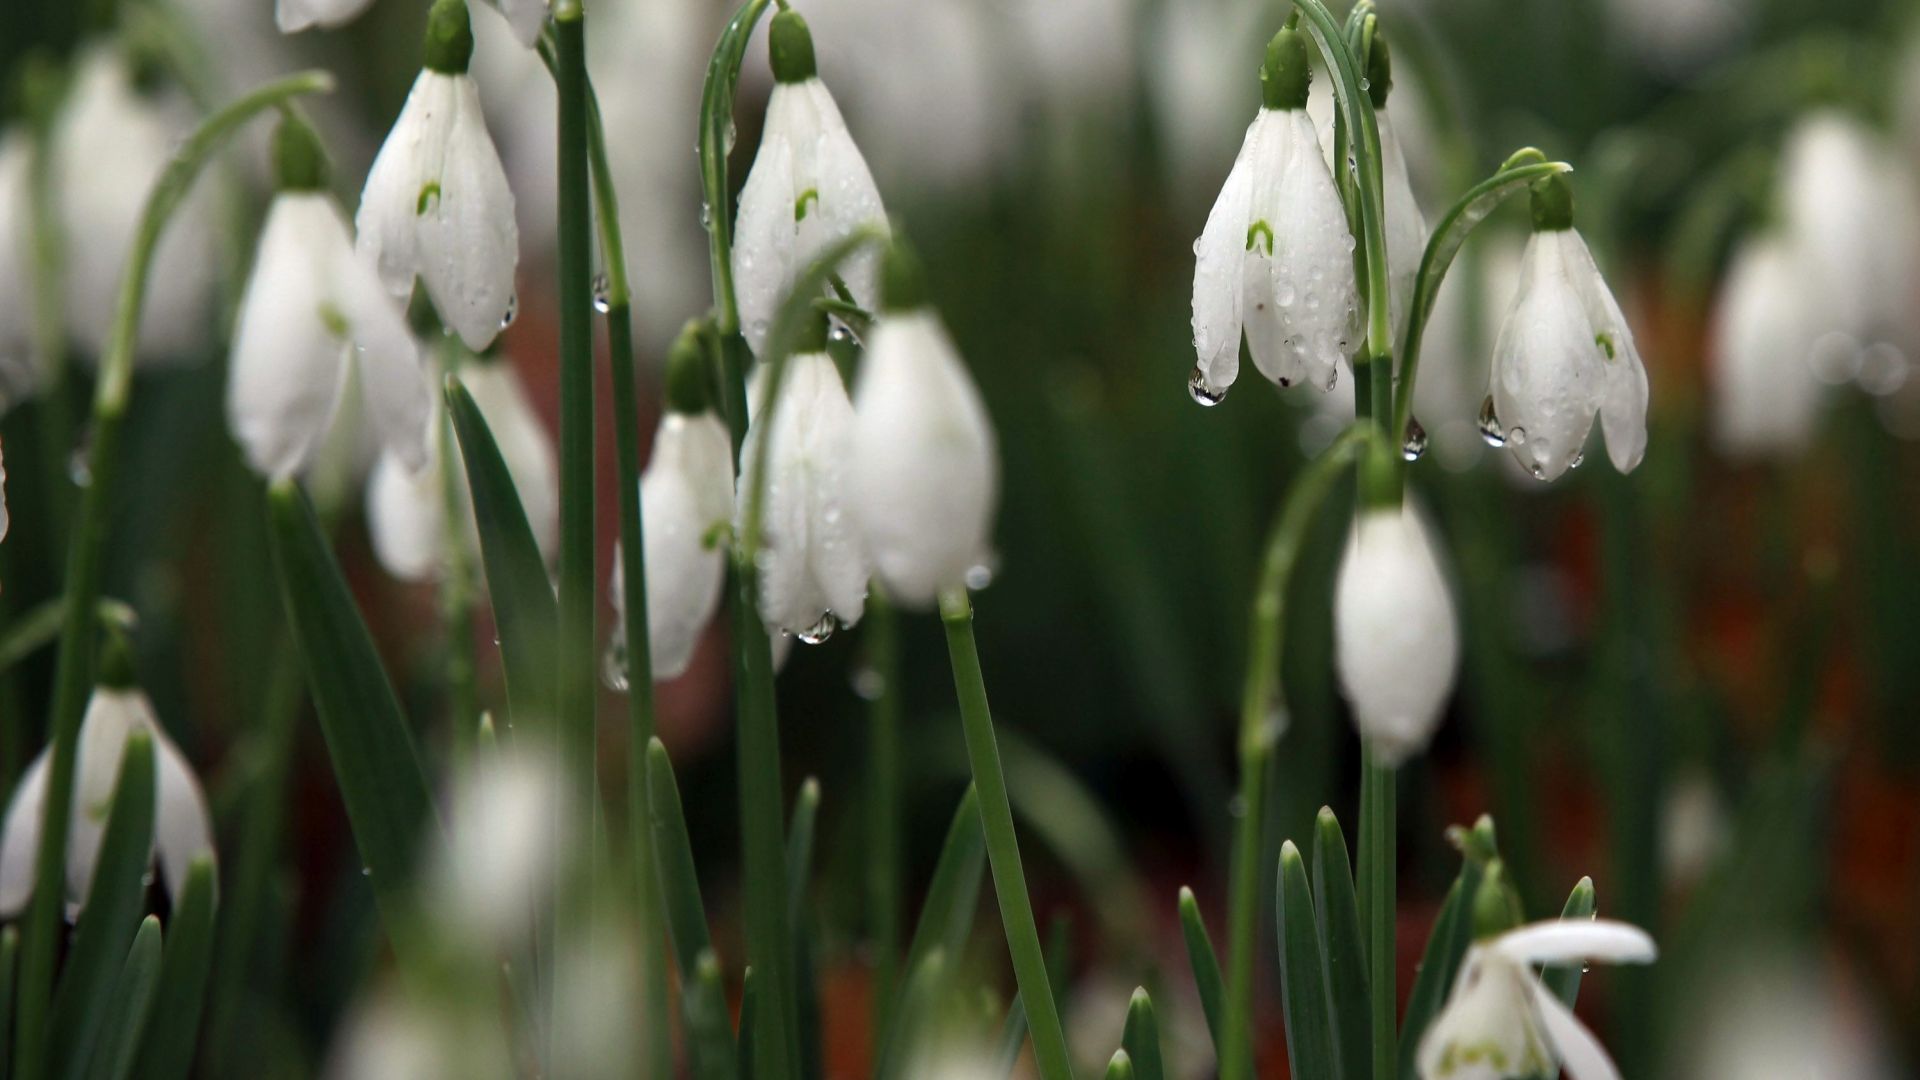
(86, 555)
(1260, 704)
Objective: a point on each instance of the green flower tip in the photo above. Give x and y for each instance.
(1139, 1000)
(116, 663)
(299, 161)
(903, 285)
(792, 46)
(1496, 907)
(1285, 76)
(1121, 1067)
(813, 333)
(1552, 204)
(687, 373)
(1379, 72)
(449, 45)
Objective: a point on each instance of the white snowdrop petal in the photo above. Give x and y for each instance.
(468, 241)
(686, 490)
(1765, 399)
(847, 198)
(1396, 640)
(1547, 379)
(394, 386)
(1299, 302)
(19, 372)
(182, 827)
(764, 234)
(1580, 1053)
(406, 518)
(1406, 226)
(397, 188)
(1217, 271)
(1623, 400)
(1570, 941)
(524, 444)
(111, 716)
(525, 17)
(293, 16)
(20, 840)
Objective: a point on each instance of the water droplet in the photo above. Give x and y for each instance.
(1538, 470)
(1415, 441)
(602, 293)
(1517, 436)
(512, 312)
(1489, 424)
(979, 576)
(1365, 83)
(1202, 391)
(733, 136)
(820, 631)
(1285, 294)
(1579, 459)
(706, 215)
(839, 334)
(613, 666)
(868, 683)
(1333, 378)
(366, 871)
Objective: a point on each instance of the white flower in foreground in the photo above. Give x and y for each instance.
(502, 858)
(1565, 353)
(313, 307)
(1276, 257)
(808, 188)
(294, 16)
(926, 467)
(1766, 398)
(110, 145)
(1500, 1021)
(182, 831)
(436, 204)
(813, 564)
(1396, 639)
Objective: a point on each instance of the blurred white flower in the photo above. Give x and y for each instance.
(398, 1034)
(1766, 400)
(19, 372)
(1772, 1014)
(436, 203)
(503, 857)
(1275, 258)
(182, 831)
(686, 500)
(1693, 829)
(808, 188)
(1673, 37)
(926, 466)
(813, 566)
(1196, 73)
(1500, 1021)
(1406, 226)
(526, 18)
(1073, 55)
(110, 145)
(294, 16)
(1564, 355)
(1396, 638)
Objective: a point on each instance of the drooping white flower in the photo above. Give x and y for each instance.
(18, 371)
(808, 188)
(926, 467)
(526, 18)
(1406, 226)
(110, 145)
(182, 831)
(813, 563)
(1276, 258)
(312, 308)
(297, 15)
(1396, 638)
(1565, 353)
(1766, 399)
(1500, 1021)
(502, 859)
(436, 203)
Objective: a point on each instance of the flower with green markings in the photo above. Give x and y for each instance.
(1275, 260)
(436, 204)
(808, 188)
(1396, 637)
(1565, 354)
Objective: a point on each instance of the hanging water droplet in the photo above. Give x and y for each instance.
(613, 666)
(706, 215)
(602, 293)
(1202, 391)
(1333, 378)
(868, 683)
(1489, 424)
(733, 136)
(512, 312)
(979, 576)
(1284, 296)
(1365, 83)
(1538, 470)
(1517, 436)
(839, 335)
(1579, 458)
(1414, 443)
(820, 631)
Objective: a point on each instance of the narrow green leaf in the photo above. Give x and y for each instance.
(112, 915)
(1206, 966)
(167, 1051)
(749, 1014)
(1446, 945)
(9, 965)
(919, 1008)
(1338, 916)
(525, 610)
(374, 761)
(1013, 1033)
(708, 1032)
(946, 916)
(1303, 981)
(1564, 980)
(1121, 1067)
(806, 810)
(679, 882)
(124, 1013)
(716, 140)
(1141, 1038)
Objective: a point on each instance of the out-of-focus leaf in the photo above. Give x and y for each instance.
(9, 964)
(1121, 1067)
(679, 882)
(166, 1053)
(1140, 1040)
(919, 1007)
(705, 1010)
(1446, 945)
(948, 912)
(1303, 981)
(1564, 980)
(1206, 966)
(125, 1012)
(806, 811)
(1338, 916)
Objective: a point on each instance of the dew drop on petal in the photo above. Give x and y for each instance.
(1414, 443)
(820, 631)
(1517, 437)
(1579, 459)
(512, 312)
(1489, 423)
(1202, 391)
(613, 666)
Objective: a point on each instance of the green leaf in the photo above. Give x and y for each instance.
(1121, 1067)
(125, 1013)
(1303, 981)
(806, 810)
(919, 1007)
(716, 140)
(1564, 980)
(705, 1007)
(1206, 966)
(679, 881)
(112, 914)
(374, 761)
(167, 1051)
(1338, 916)
(525, 610)
(1446, 945)
(1013, 1033)
(947, 915)
(9, 964)
(749, 1012)
(1140, 1040)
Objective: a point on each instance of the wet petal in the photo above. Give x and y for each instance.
(765, 233)
(394, 386)
(1547, 379)
(468, 242)
(403, 182)
(1569, 941)
(182, 828)
(406, 518)
(848, 199)
(20, 842)
(1396, 635)
(1580, 1053)
(692, 458)
(1216, 275)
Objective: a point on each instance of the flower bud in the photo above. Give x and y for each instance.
(1395, 634)
(448, 48)
(299, 161)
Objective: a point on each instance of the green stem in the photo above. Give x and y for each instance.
(1003, 846)
(54, 420)
(883, 806)
(86, 555)
(1377, 841)
(456, 588)
(1259, 729)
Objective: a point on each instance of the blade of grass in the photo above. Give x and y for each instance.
(124, 1013)
(1206, 968)
(1303, 980)
(1140, 1040)
(708, 1035)
(679, 880)
(166, 1052)
(1564, 979)
(1338, 916)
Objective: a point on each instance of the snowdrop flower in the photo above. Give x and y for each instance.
(526, 18)
(109, 146)
(294, 16)
(686, 499)
(813, 566)
(1500, 1021)
(1395, 635)
(436, 204)
(182, 832)
(1565, 353)
(312, 308)
(926, 467)
(808, 188)
(1406, 226)
(502, 858)
(1766, 399)
(407, 508)
(1276, 258)
(1192, 83)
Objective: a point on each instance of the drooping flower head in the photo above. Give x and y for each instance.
(312, 308)
(1396, 638)
(1275, 260)
(813, 563)
(926, 466)
(808, 188)
(1565, 353)
(19, 372)
(436, 205)
(1406, 226)
(1766, 398)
